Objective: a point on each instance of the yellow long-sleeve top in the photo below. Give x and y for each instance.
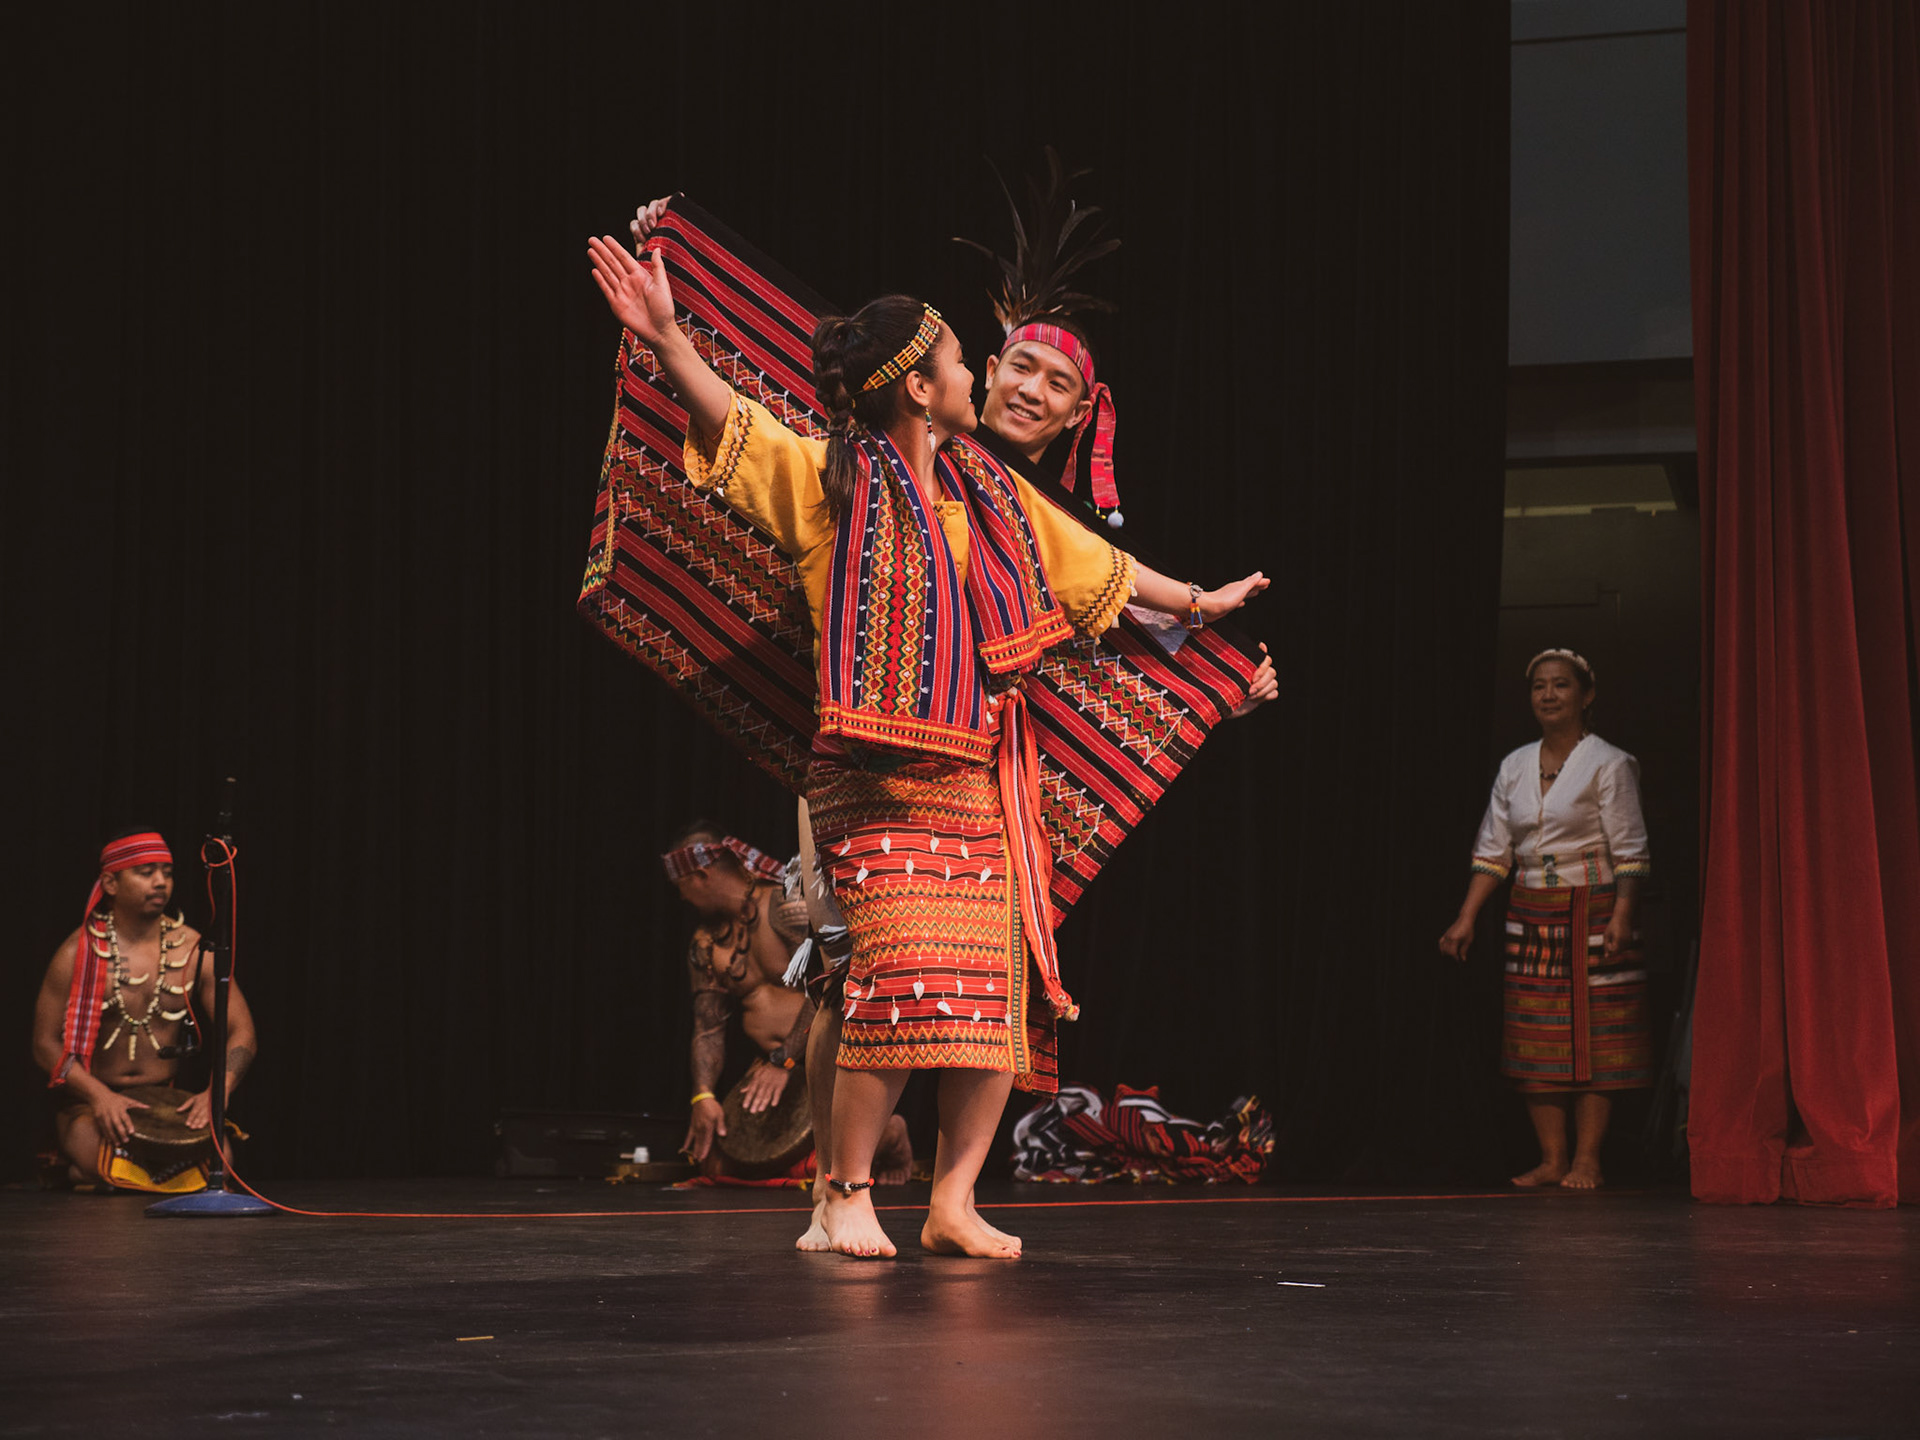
(771, 477)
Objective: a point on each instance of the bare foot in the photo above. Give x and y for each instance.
(986, 1225)
(965, 1234)
(815, 1240)
(1547, 1172)
(893, 1159)
(1585, 1175)
(852, 1227)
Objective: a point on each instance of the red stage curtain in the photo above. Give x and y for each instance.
(1804, 121)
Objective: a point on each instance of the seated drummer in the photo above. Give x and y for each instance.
(744, 959)
(114, 1012)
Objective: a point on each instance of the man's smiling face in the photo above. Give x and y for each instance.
(1033, 393)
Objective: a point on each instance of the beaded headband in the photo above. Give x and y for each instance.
(1577, 661)
(921, 343)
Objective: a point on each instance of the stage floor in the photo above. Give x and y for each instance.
(1166, 1312)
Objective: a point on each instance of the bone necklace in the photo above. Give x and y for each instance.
(134, 1026)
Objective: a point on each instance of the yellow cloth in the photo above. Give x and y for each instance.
(771, 477)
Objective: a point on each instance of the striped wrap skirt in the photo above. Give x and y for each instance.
(1575, 1018)
(940, 977)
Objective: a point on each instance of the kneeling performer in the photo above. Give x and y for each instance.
(749, 955)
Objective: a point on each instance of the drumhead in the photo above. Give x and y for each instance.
(160, 1123)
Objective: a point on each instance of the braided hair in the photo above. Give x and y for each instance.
(846, 350)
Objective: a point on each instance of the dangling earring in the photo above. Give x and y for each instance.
(930, 440)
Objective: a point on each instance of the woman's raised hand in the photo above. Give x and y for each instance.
(1228, 598)
(637, 293)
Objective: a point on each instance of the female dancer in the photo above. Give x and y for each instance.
(934, 583)
(1564, 820)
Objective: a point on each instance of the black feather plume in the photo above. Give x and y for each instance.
(1050, 244)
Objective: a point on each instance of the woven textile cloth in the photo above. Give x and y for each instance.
(939, 975)
(682, 584)
(1559, 1033)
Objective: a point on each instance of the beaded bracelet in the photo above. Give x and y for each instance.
(1195, 620)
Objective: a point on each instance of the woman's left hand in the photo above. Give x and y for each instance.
(1264, 686)
(1228, 598)
(637, 294)
(1619, 934)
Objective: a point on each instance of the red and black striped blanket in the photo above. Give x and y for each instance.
(681, 583)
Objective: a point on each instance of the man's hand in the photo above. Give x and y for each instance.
(1228, 598)
(113, 1114)
(708, 1121)
(1458, 939)
(766, 1083)
(637, 294)
(1264, 686)
(197, 1113)
(644, 219)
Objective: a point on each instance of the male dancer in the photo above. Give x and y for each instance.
(113, 1007)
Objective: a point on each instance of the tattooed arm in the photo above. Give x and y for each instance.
(711, 1007)
(242, 1044)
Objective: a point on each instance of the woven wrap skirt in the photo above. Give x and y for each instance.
(939, 976)
(1575, 1019)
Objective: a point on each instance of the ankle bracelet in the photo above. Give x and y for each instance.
(848, 1187)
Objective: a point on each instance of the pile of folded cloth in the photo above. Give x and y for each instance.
(1082, 1136)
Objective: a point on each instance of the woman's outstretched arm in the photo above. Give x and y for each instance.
(1172, 597)
(638, 295)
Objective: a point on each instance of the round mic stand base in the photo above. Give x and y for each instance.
(211, 1201)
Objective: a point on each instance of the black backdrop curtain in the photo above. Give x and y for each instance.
(306, 391)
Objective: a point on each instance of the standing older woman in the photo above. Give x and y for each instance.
(1564, 820)
(935, 581)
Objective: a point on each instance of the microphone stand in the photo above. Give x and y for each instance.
(218, 1198)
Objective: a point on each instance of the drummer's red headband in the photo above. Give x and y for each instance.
(701, 853)
(131, 850)
(90, 977)
(1100, 417)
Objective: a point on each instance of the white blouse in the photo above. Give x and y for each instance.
(1586, 830)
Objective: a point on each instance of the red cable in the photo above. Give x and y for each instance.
(799, 1209)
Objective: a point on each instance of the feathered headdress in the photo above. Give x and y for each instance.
(1045, 254)
(1051, 244)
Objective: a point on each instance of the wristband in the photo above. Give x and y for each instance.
(703, 1095)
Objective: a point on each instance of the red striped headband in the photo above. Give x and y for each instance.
(689, 859)
(1065, 341)
(131, 850)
